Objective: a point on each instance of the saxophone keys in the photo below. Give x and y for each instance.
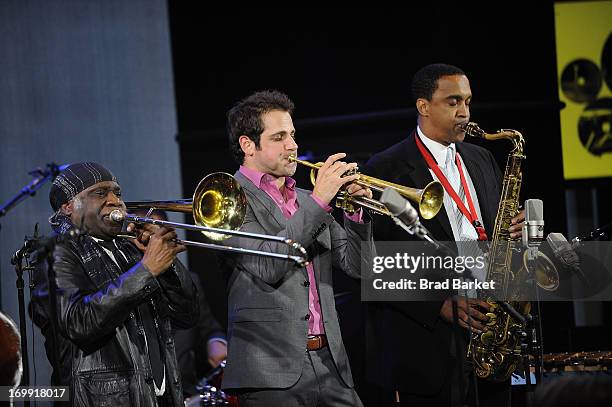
(492, 318)
(487, 338)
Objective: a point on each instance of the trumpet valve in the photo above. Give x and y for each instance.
(343, 202)
(351, 172)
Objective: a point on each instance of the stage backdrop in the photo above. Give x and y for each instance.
(584, 66)
(82, 80)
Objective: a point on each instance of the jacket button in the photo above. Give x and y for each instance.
(147, 288)
(306, 283)
(307, 317)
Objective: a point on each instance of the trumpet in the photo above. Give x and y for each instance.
(218, 207)
(429, 199)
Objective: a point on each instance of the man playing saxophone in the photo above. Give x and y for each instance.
(426, 369)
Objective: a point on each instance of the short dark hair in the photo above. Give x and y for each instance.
(425, 81)
(245, 117)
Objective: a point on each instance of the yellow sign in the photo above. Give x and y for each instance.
(584, 67)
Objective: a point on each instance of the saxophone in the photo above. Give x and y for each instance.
(496, 353)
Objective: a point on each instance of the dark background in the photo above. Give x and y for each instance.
(348, 70)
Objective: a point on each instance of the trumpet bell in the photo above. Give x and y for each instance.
(219, 202)
(432, 198)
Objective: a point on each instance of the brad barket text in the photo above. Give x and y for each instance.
(425, 284)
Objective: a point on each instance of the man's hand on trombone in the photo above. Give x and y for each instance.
(142, 234)
(157, 243)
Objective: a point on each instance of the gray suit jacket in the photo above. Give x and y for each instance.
(268, 298)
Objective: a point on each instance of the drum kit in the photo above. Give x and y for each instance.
(11, 366)
(210, 393)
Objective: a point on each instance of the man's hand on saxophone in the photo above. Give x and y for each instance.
(516, 225)
(468, 312)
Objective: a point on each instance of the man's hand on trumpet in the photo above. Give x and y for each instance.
(358, 190)
(330, 177)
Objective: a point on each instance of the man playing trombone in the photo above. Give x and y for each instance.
(117, 308)
(285, 346)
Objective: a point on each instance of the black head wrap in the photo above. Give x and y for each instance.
(72, 180)
(76, 178)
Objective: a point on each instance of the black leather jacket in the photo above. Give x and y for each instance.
(100, 341)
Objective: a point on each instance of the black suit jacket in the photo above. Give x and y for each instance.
(409, 345)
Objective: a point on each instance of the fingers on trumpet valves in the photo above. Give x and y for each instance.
(358, 190)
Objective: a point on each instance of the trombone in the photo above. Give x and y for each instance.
(429, 199)
(218, 207)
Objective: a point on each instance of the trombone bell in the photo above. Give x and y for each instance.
(218, 202)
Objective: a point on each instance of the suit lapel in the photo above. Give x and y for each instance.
(257, 198)
(418, 176)
(323, 239)
(261, 199)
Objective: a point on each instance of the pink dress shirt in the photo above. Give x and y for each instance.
(288, 205)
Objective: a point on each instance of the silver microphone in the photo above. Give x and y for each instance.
(117, 216)
(562, 249)
(406, 217)
(533, 231)
(565, 253)
(399, 207)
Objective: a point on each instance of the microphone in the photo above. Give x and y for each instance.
(399, 207)
(406, 217)
(117, 216)
(533, 231)
(27, 248)
(23, 251)
(56, 169)
(564, 252)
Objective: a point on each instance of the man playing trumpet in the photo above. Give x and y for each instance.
(285, 346)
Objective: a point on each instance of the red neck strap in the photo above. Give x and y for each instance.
(470, 214)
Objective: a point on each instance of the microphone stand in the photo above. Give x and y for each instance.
(40, 178)
(34, 251)
(17, 260)
(531, 340)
